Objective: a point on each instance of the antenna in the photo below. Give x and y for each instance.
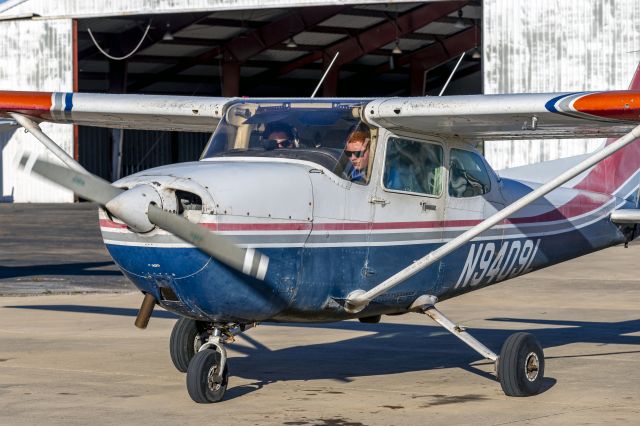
(452, 73)
(313, 95)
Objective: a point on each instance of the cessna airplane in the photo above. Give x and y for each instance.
(317, 210)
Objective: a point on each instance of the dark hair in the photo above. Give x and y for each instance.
(278, 126)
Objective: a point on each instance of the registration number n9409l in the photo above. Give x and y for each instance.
(486, 264)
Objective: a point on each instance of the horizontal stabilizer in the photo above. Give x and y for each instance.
(626, 216)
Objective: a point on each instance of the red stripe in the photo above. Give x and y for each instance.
(106, 223)
(258, 226)
(579, 205)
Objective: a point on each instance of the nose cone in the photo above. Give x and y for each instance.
(131, 207)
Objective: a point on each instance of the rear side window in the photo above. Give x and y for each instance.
(413, 166)
(468, 176)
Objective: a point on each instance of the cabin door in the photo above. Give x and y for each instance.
(407, 213)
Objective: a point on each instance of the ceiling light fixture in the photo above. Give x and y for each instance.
(396, 49)
(167, 35)
(460, 23)
(291, 43)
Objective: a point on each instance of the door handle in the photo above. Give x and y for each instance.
(376, 200)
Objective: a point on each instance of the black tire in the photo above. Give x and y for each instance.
(521, 365)
(370, 320)
(182, 344)
(203, 369)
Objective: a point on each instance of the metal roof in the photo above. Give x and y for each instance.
(280, 51)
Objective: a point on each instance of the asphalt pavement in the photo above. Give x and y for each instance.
(69, 353)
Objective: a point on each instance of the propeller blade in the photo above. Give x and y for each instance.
(248, 261)
(84, 185)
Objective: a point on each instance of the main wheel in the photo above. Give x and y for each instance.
(521, 365)
(184, 342)
(203, 383)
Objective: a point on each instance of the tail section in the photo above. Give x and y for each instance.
(619, 174)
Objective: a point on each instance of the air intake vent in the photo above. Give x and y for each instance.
(188, 202)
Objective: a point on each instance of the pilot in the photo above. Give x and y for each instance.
(357, 151)
(278, 135)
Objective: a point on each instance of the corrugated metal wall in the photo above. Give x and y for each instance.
(145, 149)
(556, 46)
(141, 149)
(36, 55)
(87, 8)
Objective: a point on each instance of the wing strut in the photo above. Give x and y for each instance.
(357, 300)
(35, 130)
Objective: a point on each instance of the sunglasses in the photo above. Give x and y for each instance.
(280, 143)
(356, 154)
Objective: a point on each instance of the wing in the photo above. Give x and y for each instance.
(518, 116)
(152, 112)
(479, 117)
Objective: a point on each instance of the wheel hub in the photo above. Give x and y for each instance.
(532, 366)
(213, 381)
(197, 342)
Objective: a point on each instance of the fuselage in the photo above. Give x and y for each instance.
(326, 236)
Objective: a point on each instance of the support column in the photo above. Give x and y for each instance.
(417, 75)
(117, 84)
(230, 79)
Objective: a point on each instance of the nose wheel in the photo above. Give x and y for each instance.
(207, 372)
(205, 382)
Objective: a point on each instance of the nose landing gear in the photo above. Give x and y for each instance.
(207, 379)
(207, 372)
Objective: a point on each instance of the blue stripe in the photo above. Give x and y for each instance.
(68, 101)
(551, 105)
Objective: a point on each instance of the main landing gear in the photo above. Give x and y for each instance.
(197, 348)
(186, 339)
(520, 366)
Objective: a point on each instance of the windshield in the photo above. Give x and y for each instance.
(330, 134)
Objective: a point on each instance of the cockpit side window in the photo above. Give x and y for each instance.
(413, 166)
(468, 175)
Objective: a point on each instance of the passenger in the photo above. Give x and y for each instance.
(278, 135)
(458, 183)
(357, 151)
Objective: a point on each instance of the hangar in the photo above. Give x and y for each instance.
(245, 48)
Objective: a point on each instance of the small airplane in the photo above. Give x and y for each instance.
(319, 210)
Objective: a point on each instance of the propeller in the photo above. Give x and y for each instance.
(138, 207)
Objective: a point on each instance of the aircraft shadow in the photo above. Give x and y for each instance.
(77, 269)
(389, 348)
(102, 310)
(402, 348)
